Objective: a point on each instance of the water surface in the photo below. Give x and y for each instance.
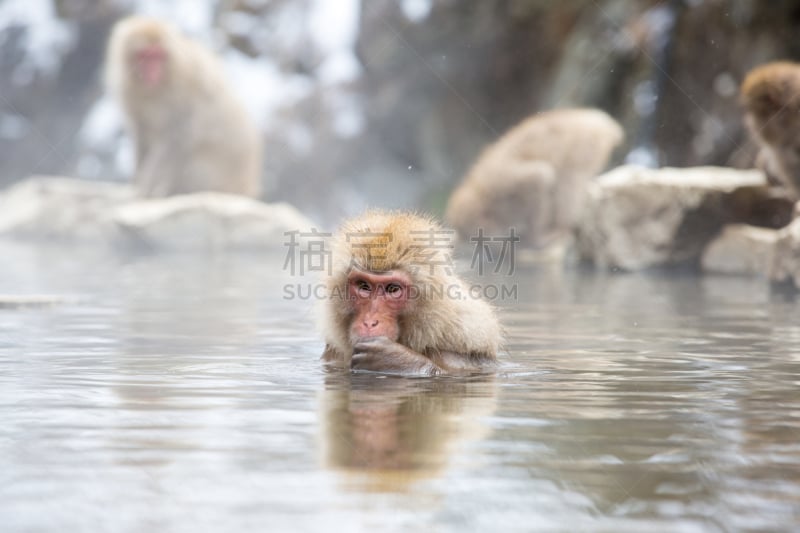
(180, 393)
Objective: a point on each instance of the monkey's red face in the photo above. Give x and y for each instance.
(378, 299)
(150, 64)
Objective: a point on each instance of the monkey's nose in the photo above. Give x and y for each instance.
(370, 323)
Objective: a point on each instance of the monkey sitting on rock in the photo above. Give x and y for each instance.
(191, 132)
(534, 178)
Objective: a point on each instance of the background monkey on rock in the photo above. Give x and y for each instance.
(191, 132)
(395, 306)
(534, 178)
(771, 98)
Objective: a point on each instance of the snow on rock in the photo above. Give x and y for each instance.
(786, 265)
(45, 207)
(741, 249)
(638, 217)
(209, 222)
(108, 214)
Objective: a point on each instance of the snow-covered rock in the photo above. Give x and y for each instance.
(209, 221)
(741, 249)
(638, 217)
(109, 214)
(46, 207)
(786, 265)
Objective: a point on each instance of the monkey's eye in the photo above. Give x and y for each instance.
(393, 289)
(363, 287)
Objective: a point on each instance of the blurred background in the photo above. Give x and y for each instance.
(388, 102)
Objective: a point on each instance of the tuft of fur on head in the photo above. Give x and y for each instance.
(441, 315)
(380, 241)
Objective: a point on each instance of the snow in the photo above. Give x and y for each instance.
(195, 18)
(348, 114)
(102, 130)
(264, 87)
(333, 27)
(282, 31)
(643, 156)
(45, 39)
(300, 138)
(102, 123)
(416, 10)
(239, 23)
(339, 68)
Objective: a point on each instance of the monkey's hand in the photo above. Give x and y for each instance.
(379, 354)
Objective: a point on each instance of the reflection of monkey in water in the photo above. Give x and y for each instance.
(534, 178)
(396, 430)
(192, 133)
(771, 97)
(396, 307)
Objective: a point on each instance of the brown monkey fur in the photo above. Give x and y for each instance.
(191, 132)
(771, 97)
(534, 178)
(395, 306)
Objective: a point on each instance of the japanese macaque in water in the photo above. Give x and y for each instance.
(191, 132)
(395, 306)
(534, 178)
(771, 98)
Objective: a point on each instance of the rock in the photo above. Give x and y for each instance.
(109, 214)
(44, 207)
(786, 265)
(209, 221)
(741, 249)
(638, 217)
